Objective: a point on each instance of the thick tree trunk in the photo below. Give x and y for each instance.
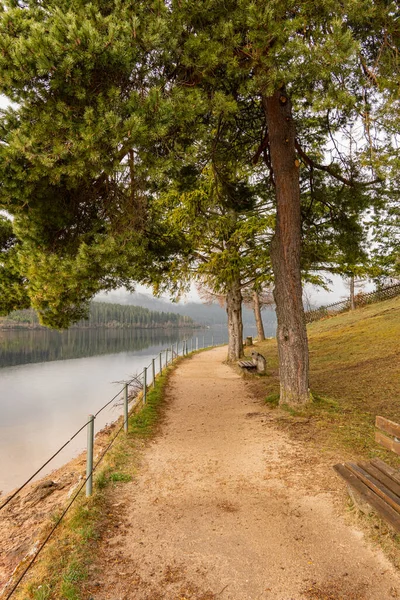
(235, 323)
(285, 252)
(258, 318)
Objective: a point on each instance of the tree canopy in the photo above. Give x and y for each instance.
(124, 108)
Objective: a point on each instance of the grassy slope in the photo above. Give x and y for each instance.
(355, 375)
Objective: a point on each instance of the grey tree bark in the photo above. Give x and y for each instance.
(285, 252)
(258, 317)
(235, 322)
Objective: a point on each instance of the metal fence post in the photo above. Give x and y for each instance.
(172, 354)
(160, 363)
(191, 344)
(144, 385)
(89, 456)
(166, 357)
(126, 408)
(177, 349)
(153, 367)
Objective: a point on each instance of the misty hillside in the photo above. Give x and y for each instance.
(204, 314)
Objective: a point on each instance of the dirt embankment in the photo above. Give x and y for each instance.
(24, 520)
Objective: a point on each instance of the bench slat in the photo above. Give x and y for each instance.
(247, 364)
(388, 426)
(380, 506)
(387, 443)
(386, 469)
(377, 487)
(377, 473)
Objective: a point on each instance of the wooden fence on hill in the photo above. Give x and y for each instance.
(360, 300)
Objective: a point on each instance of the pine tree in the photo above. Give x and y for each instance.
(114, 96)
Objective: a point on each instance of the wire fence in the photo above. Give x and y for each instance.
(131, 392)
(360, 300)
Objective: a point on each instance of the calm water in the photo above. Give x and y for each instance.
(51, 381)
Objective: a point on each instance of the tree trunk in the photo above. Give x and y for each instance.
(235, 323)
(352, 299)
(285, 252)
(257, 315)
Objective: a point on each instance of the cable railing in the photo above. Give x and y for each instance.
(139, 383)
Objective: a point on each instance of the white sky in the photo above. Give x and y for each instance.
(337, 291)
(4, 101)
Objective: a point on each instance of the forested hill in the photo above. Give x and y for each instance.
(205, 314)
(105, 314)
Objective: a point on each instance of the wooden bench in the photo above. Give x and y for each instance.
(375, 482)
(247, 364)
(257, 363)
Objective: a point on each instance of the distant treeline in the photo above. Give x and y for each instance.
(104, 314)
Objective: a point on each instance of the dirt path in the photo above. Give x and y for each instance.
(225, 506)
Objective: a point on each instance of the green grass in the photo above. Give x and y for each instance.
(62, 569)
(354, 376)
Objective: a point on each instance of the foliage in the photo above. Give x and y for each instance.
(225, 243)
(67, 170)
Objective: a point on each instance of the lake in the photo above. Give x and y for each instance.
(51, 381)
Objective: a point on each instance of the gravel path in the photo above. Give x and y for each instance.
(225, 506)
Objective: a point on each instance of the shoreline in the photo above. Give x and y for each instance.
(42, 497)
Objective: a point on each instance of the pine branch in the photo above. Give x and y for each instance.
(328, 169)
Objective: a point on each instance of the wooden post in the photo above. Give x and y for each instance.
(144, 385)
(89, 456)
(126, 408)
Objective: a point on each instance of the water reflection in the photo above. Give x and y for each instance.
(36, 346)
(71, 375)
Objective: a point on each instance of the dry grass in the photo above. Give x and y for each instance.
(354, 376)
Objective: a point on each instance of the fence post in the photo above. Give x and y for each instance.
(166, 357)
(177, 349)
(144, 385)
(191, 344)
(89, 456)
(160, 363)
(126, 408)
(153, 367)
(172, 354)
